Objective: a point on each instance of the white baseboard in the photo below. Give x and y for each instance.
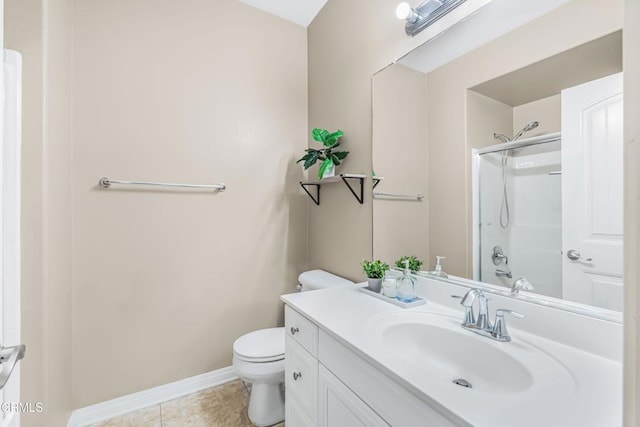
(153, 396)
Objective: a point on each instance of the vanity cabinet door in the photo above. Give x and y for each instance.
(301, 382)
(294, 414)
(339, 407)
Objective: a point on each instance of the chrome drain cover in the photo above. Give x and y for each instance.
(462, 382)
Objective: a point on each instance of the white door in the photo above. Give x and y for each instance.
(592, 193)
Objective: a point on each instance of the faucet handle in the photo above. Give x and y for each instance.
(499, 330)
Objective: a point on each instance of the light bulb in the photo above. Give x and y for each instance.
(404, 11)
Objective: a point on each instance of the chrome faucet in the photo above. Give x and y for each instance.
(481, 324)
(502, 273)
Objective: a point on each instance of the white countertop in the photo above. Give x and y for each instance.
(593, 395)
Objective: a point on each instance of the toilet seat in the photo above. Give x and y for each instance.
(259, 360)
(265, 345)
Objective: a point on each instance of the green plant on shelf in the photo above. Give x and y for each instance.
(327, 155)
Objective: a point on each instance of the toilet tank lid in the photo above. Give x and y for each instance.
(320, 279)
(261, 344)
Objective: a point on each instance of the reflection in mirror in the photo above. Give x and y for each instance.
(399, 130)
(550, 208)
(547, 207)
(519, 208)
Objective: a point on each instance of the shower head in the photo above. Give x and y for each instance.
(529, 127)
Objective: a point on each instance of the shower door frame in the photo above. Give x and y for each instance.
(475, 186)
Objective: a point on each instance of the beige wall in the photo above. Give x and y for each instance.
(160, 93)
(484, 117)
(632, 211)
(399, 156)
(546, 111)
(46, 202)
(195, 91)
(57, 209)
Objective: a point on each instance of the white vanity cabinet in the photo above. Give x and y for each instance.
(314, 396)
(360, 361)
(328, 385)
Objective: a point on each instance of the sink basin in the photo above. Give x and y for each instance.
(455, 355)
(436, 345)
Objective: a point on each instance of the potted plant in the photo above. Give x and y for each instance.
(375, 271)
(414, 263)
(330, 158)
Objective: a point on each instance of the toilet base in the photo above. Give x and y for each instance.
(266, 404)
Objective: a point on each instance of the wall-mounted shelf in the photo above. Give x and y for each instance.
(343, 177)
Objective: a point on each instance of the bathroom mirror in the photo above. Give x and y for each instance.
(547, 206)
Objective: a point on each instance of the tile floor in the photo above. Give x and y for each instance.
(223, 406)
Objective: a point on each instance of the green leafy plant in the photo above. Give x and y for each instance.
(329, 157)
(414, 263)
(374, 269)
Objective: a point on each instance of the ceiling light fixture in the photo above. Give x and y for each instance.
(424, 15)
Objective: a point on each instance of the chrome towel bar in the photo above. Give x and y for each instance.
(106, 183)
(398, 196)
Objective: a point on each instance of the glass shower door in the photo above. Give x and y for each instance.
(520, 216)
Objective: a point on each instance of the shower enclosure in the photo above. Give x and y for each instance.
(519, 214)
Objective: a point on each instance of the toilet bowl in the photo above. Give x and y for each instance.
(258, 358)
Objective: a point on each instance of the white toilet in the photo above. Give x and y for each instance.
(258, 358)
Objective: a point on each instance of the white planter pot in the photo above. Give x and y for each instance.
(331, 172)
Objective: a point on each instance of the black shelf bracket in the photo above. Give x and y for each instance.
(358, 198)
(376, 181)
(316, 199)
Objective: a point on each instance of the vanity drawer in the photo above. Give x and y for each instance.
(301, 379)
(302, 330)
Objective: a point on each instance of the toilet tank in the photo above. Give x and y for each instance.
(320, 279)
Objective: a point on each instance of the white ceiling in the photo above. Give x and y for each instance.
(301, 12)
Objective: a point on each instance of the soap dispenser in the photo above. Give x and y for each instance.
(406, 285)
(437, 269)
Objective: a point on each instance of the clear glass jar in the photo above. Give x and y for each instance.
(389, 287)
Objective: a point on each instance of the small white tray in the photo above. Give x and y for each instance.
(394, 301)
